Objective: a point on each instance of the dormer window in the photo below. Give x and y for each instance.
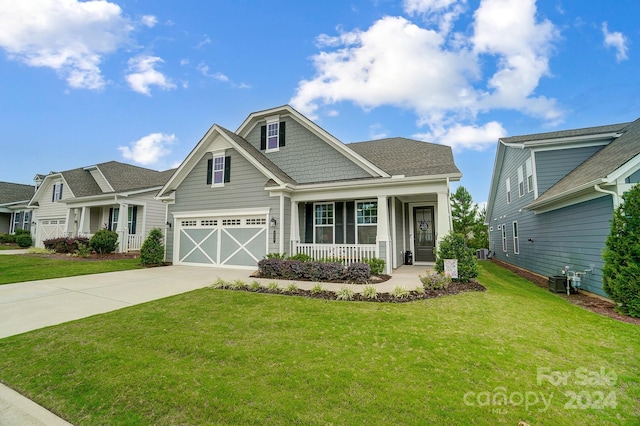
(272, 136)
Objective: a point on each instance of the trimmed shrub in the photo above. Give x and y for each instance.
(453, 246)
(435, 281)
(65, 245)
(301, 257)
(7, 239)
(152, 250)
(24, 240)
(21, 232)
(358, 273)
(104, 241)
(376, 265)
(621, 270)
(281, 256)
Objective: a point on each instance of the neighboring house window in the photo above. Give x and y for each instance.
(516, 239)
(504, 237)
(529, 171)
(272, 136)
(508, 184)
(324, 223)
(218, 170)
(114, 213)
(520, 182)
(57, 192)
(366, 222)
(132, 219)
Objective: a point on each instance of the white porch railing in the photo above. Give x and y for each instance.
(134, 242)
(349, 253)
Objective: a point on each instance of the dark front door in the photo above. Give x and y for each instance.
(424, 234)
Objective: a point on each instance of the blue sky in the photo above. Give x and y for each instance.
(141, 81)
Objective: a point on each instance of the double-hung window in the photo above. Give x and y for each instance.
(26, 220)
(273, 130)
(323, 223)
(520, 181)
(272, 135)
(508, 187)
(114, 214)
(504, 237)
(57, 192)
(516, 239)
(529, 171)
(218, 170)
(366, 222)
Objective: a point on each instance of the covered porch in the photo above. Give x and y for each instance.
(352, 226)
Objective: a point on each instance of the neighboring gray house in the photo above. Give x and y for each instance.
(111, 195)
(14, 213)
(280, 183)
(553, 194)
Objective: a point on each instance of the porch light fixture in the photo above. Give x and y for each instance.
(273, 222)
(33, 223)
(168, 224)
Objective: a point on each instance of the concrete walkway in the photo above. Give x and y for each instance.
(32, 305)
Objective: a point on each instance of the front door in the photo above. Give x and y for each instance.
(424, 234)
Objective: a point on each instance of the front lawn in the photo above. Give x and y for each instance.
(21, 267)
(236, 357)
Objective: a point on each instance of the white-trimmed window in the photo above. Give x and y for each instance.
(520, 181)
(366, 222)
(529, 171)
(516, 239)
(273, 133)
(504, 238)
(114, 214)
(26, 220)
(323, 223)
(508, 187)
(57, 192)
(218, 170)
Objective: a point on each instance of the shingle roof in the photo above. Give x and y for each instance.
(122, 177)
(401, 156)
(262, 159)
(15, 192)
(599, 165)
(587, 131)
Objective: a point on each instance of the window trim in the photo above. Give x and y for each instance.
(520, 182)
(529, 172)
(504, 238)
(332, 225)
(220, 171)
(273, 126)
(372, 224)
(516, 237)
(508, 187)
(57, 192)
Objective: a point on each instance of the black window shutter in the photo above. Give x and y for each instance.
(53, 195)
(339, 221)
(351, 222)
(308, 223)
(282, 133)
(134, 219)
(110, 218)
(227, 169)
(60, 195)
(263, 138)
(209, 170)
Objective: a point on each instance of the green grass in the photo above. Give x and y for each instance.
(235, 357)
(19, 268)
(13, 247)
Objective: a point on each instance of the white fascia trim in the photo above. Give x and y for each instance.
(254, 211)
(625, 170)
(248, 124)
(564, 142)
(38, 193)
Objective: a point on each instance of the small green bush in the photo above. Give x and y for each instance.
(376, 265)
(24, 240)
(104, 241)
(21, 231)
(7, 239)
(453, 246)
(369, 292)
(255, 286)
(301, 257)
(435, 281)
(83, 250)
(152, 250)
(279, 256)
(317, 289)
(400, 292)
(345, 293)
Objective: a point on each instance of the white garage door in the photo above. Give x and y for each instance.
(220, 241)
(51, 228)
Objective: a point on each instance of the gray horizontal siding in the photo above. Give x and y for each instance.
(245, 190)
(551, 166)
(574, 235)
(307, 158)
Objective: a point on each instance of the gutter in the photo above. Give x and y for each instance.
(614, 195)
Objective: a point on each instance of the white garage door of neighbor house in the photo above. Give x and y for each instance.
(221, 241)
(51, 228)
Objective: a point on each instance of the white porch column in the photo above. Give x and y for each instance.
(443, 217)
(295, 227)
(382, 237)
(83, 222)
(69, 225)
(123, 227)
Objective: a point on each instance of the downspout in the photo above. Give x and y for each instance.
(614, 195)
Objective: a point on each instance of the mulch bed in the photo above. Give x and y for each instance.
(592, 303)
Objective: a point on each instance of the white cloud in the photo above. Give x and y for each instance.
(438, 74)
(377, 131)
(68, 36)
(142, 75)
(204, 70)
(149, 21)
(149, 149)
(461, 137)
(616, 40)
